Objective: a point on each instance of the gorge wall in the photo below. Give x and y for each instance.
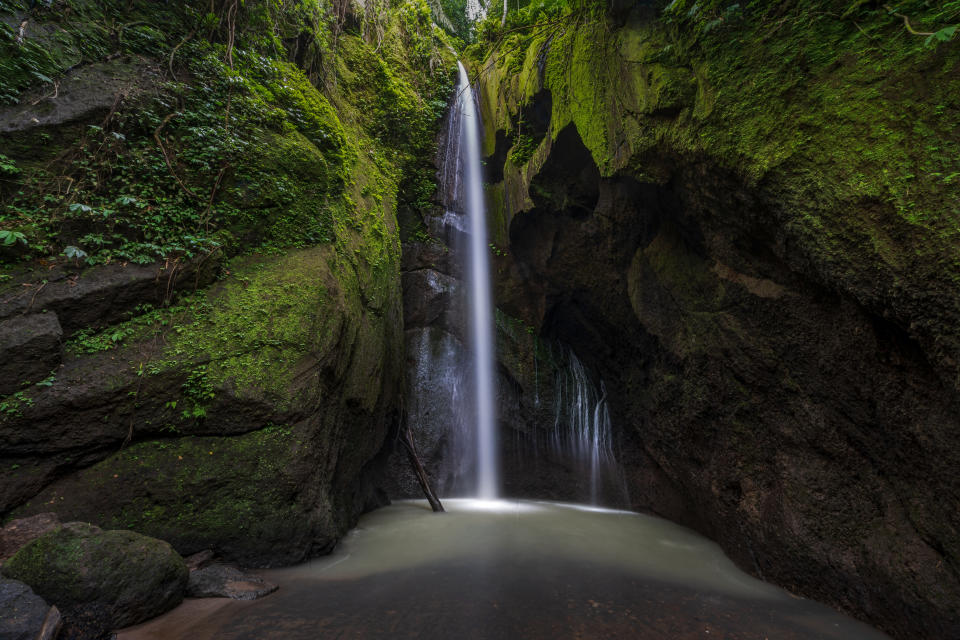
(204, 267)
(750, 232)
(744, 222)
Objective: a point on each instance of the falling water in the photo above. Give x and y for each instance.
(582, 431)
(478, 278)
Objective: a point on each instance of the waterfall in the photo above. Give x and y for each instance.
(582, 430)
(463, 182)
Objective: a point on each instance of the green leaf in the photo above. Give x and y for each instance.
(943, 35)
(10, 237)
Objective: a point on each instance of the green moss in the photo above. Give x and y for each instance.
(185, 468)
(258, 326)
(79, 564)
(820, 94)
(231, 492)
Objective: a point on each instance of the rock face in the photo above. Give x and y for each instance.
(236, 393)
(38, 313)
(30, 349)
(104, 295)
(780, 347)
(87, 92)
(273, 439)
(78, 565)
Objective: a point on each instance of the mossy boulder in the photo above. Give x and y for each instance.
(132, 576)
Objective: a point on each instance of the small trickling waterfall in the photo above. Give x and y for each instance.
(582, 432)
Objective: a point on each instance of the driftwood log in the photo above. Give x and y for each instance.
(406, 436)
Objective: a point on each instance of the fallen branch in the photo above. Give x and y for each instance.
(906, 22)
(407, 438)
(52, 96)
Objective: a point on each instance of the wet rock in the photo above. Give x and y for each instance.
(103, 295)
(437, 361)
(82, 94)
(23, 614)
(199, 559)
(224, 581)
(87, 622)
(429, 297)
(429, 254)
(19, 532)
(31, 347)
(126, 576)
(780, 355)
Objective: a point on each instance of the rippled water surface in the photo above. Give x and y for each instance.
(512, 569)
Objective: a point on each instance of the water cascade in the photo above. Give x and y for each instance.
(480, 308)
(582, 430)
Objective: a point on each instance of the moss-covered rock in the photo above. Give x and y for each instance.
(134, 576)
(284, 149)
(763, 269)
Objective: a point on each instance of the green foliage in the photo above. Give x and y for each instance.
(523, 148)
(10, 237)
(924, 16)
(74, 253)
(456, 12)
(145, 321)
(7, 166)
(13, 404)
(247, 154)
(943, 35)
(526, 17)
(199, 390)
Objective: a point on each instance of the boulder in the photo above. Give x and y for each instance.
(199, 559)
(31, 347)
(225, 581)
(105, 294)
(129, 576)
(21, 531)
(82, 94)
(24, 615)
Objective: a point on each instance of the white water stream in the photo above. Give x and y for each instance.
(478, 279)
